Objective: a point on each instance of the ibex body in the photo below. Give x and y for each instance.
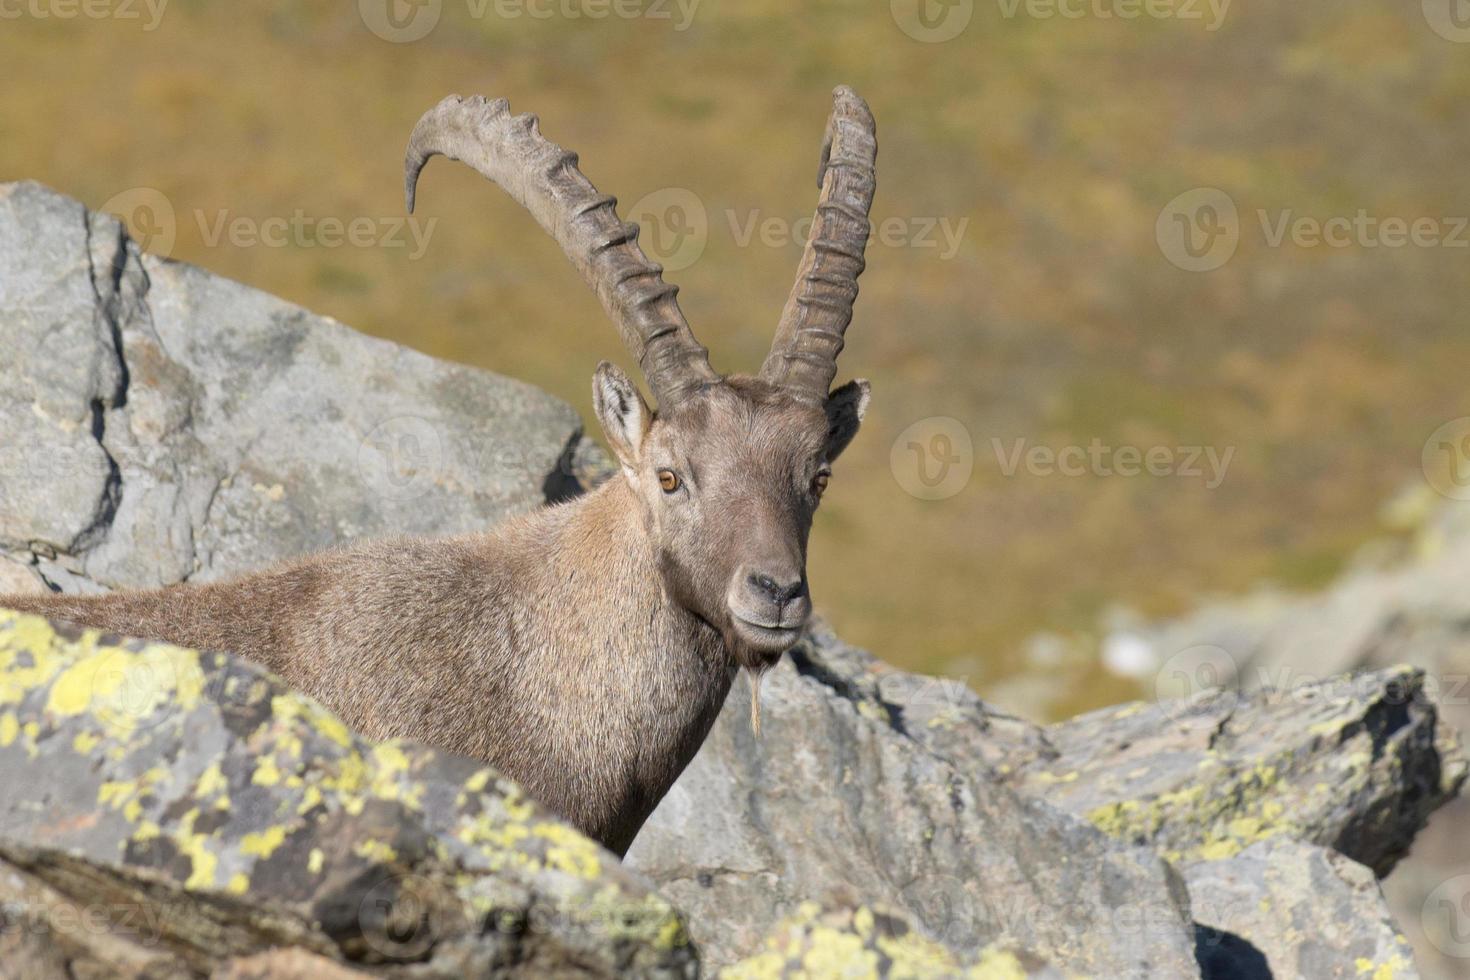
(584, 649)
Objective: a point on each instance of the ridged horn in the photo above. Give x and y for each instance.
(544, 178)
(803, 357)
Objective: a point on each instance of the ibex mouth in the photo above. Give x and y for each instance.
(767, 638)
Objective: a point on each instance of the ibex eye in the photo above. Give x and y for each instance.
(819, 483)
(669, 480)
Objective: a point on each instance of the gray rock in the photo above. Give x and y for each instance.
(836, 802)
(1411, 607)
(159, 424)
(1282, 908)
(185, 809)
(869, 784)
(1356, 763)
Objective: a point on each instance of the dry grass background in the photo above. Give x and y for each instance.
(1057, 321)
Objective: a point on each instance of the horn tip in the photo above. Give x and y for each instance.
(413, 165)
(845, 100)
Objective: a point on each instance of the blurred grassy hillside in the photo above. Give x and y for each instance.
(1057, 319)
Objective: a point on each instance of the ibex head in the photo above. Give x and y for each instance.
(730, 469)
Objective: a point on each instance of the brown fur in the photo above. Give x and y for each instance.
(584, 649)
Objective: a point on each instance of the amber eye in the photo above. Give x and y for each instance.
(669, 480)
(819, 483)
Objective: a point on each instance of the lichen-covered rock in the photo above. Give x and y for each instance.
(1356, 763)
(235, 815)
(158, 423)
(1296, 910)
(870, 784)
(838, 803)
(863, 942)
(1402, 601)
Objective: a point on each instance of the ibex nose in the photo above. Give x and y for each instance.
(778, 592)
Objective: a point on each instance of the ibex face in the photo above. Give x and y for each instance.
(730, 470)
(729, 482)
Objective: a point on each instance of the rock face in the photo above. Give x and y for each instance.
(183, 814)
(934, 804)
(208, 813)
(160, 424)
(837, 803)
(1355, 763)
(1403, 604)
(1309, 912)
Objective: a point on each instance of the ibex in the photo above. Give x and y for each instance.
(584, 649)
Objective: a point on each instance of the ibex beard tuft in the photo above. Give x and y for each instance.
(584, 649)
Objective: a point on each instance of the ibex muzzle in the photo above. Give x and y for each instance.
(584, 649)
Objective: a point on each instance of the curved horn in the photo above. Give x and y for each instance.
(803, 356)
(544, 178)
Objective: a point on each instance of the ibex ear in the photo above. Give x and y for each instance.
(622, 412)
(845, 409)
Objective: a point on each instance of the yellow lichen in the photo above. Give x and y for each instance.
(263, 843)
(196, 847)
(266, 773)
(375, 850)
(85, 742)
(1210, 820)
(569, 851)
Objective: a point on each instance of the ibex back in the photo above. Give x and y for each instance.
(584, 649)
